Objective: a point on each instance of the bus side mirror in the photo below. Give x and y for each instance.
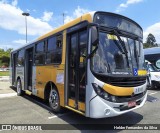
(94, 35)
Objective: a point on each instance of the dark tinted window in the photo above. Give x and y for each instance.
(51, 44)
(40, 47)
(119, 22)
(82, 63)
(20, 61)
(40, 55)
(83, 42)
(54, 50)
(40, 59)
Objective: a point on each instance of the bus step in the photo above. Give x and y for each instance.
(28, 92)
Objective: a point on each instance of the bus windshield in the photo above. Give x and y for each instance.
(109, 58)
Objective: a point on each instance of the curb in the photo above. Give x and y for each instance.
(4, 80)
(4, 76)
(8, 95)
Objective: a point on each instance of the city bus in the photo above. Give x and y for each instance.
(153, 56)
(93, 65)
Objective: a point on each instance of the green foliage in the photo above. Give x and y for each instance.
(146, 45)
(150, 42)
(4, 73)
(5, 57)
(151, 39)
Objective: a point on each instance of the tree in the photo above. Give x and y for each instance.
(146, 45)
(151, 40)
(5, 57)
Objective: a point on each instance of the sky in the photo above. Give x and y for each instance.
(46, 15)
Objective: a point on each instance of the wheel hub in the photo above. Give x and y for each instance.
(54, 99)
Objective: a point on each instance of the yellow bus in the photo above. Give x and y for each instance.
(93, 65)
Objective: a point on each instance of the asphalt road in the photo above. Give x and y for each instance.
(32, 110)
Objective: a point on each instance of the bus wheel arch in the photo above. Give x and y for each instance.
(51, 88)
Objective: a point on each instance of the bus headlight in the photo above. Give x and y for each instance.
(103, 93)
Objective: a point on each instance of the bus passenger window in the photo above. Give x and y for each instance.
(40, 47)
(54, 50)
(39, 55)
(20, 58)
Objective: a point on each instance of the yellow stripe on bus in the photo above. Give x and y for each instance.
(84, 17)
(118, 91)
(142, 72)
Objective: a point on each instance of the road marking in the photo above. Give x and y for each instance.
(8, 95)
(51, 117)
(59, 115)
(153, 93)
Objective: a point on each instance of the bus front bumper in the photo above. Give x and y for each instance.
(100, 108)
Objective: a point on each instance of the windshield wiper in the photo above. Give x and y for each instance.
(122, 44)
(120, 40)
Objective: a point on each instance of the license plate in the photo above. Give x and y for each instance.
(138, 90)
(131, 104)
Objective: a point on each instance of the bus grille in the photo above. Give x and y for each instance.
(128, 82)
(121, 99)
(122, 81)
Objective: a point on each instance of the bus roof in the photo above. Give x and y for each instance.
(154, 50)
(84, 17)
(88, 17)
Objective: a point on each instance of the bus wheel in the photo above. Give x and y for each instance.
(19, 88)
(54, 100)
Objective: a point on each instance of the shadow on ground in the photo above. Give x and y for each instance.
(79, 122)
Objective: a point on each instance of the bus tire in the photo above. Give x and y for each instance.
(54, 100)
(19, 88)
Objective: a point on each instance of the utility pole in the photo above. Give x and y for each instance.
(63, 17)
(26, 14)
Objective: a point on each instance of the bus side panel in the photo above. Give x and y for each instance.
(60, 84)
(20, 74)
(34, 90)
(44, 74)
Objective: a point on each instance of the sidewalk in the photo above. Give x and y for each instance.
(4, 78)
(6, 90)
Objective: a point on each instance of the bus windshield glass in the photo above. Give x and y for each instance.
(116, 21)
(110, 59)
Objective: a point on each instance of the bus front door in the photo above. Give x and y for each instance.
(77, 70)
